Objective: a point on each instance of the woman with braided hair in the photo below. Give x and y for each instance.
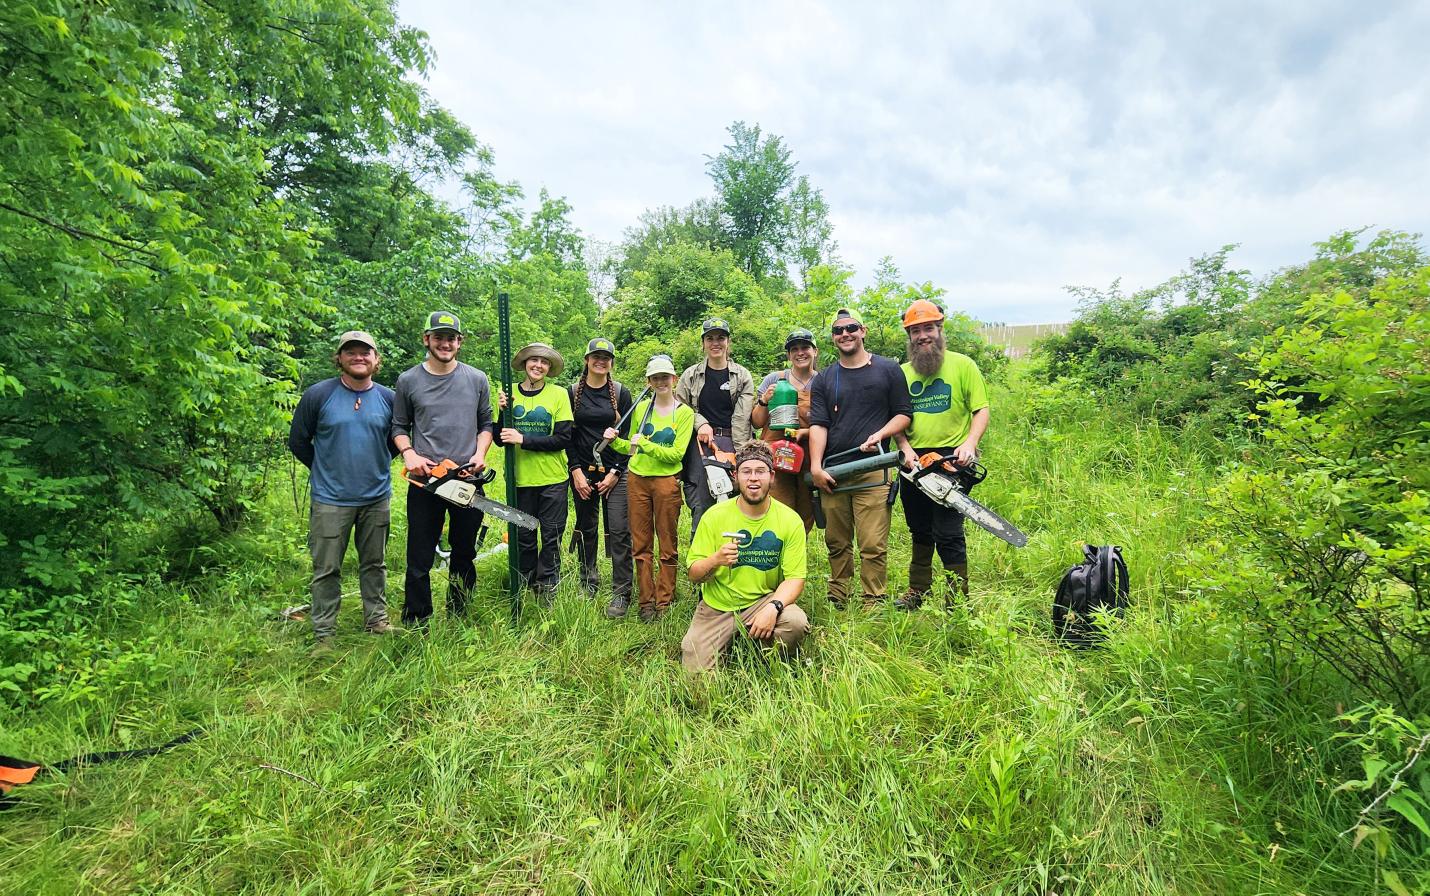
(599, 483)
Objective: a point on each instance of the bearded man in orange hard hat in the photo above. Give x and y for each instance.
(950, 417)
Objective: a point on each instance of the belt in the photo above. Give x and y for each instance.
(722, 431)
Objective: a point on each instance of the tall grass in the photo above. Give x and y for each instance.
(937, 751)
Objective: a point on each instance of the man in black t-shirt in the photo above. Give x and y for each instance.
(858, 403)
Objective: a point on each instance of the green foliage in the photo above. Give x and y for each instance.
(1332, 521)
(1393, 782)
(1175, 352)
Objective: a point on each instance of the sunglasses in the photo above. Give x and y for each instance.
(841, 329)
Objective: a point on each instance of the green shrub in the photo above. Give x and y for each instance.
(1329, 523)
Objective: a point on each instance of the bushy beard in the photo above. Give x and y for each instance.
(927, 359)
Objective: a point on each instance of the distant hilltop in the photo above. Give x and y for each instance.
(1016, 339)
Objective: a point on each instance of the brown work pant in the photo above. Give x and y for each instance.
(863, 514)
(711, 632)
(654, 511)
(789, 489)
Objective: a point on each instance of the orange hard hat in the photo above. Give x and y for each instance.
(922, 312)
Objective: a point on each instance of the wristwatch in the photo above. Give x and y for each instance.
(779, 606)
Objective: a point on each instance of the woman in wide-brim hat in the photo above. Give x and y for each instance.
(660, 431)
(539, 423)
(599, 480)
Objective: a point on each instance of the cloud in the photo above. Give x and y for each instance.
(1002, 151)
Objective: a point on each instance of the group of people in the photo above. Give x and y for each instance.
(626, 464)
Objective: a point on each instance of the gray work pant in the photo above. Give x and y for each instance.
(329, 527)
(618, 537)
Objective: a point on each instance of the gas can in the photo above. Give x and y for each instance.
(789, 457)
(784, 406)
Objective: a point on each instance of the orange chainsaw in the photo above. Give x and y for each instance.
(448, 482)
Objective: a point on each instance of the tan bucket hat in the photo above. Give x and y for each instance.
(538, 350)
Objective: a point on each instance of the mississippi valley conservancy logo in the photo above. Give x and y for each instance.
(665, 437)
(763, 551)
(934, 398)
(533, 421)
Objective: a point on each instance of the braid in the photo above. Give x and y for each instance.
(580, 384)
(615, 405)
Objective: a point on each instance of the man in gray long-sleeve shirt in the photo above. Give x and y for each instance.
(442, 410)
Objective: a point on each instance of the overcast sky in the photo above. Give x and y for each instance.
(1001, 150)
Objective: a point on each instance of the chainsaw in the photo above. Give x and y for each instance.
(447, 482)
(719, 472)
(947, 485)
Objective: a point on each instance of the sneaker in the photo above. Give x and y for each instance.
(383, 628)
(618, 606)
(910, 600)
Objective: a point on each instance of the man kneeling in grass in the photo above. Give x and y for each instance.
(749, 557)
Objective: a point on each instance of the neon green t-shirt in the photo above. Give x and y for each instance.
(775, 552)
(537, 415)
(945, 402)
(662, 451)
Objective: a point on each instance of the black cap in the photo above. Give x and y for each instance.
(443, 320)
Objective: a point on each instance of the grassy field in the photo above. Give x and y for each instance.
(1016, 339)
(930, 752)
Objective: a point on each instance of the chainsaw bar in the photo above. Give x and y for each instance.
(986, 518)
(503, 511)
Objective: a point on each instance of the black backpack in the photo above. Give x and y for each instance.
(1098, 583)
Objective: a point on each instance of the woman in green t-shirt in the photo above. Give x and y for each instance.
(539, 424)
(659, 436)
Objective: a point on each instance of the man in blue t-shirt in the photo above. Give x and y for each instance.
(340, 433)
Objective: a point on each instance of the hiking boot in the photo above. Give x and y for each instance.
(322, 646)
(383, 628)
(649, 614)
(874, 600)
(618, 606)
(910, 600)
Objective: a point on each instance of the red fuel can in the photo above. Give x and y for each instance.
(789, 457)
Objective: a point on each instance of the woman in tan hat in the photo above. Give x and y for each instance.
(539, 424)
(660, 433)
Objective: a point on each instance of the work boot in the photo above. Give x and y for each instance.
(383, 628)
(956, 573)
(618, 606)
(910, 600)
(921, 568)
(322, 646)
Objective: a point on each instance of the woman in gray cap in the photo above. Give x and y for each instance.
(660, 431)
(598, 478)
(788, 488)
(539, 423)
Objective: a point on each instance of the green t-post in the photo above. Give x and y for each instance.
(513, 574)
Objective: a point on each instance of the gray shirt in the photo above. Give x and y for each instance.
(443, 415)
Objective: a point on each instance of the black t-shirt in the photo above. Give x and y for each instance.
(717, 405)
(854, 403)
(593, 413)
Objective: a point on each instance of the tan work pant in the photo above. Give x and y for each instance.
(653, 508)
(864, 515)
(789, 489)
(711, 632)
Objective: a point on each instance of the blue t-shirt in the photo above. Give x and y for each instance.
(342, 436)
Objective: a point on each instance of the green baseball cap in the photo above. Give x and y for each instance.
(600, 345)
(799, 334)
(443, 320)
